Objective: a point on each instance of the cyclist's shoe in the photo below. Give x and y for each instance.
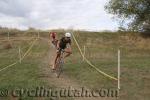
(53, 69)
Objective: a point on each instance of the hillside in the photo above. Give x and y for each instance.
(100, 48)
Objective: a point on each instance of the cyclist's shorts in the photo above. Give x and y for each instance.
(59, 50)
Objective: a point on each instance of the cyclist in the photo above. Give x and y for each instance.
(63, 44)
(53, 37)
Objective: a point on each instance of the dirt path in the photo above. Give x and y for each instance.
(63, 81)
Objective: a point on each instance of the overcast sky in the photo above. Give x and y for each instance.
(49, 14)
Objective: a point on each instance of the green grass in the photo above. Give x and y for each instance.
(101, 50)
(24, 74)
(103, 54)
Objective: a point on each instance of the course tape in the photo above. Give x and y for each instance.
(111, 77)
(16, 39)
(22, 57)
(29, 49)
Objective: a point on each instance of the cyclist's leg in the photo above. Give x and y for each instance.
(56, 58)
(68, 52)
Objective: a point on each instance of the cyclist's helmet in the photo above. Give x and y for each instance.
(68, 35)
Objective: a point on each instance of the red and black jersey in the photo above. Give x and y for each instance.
(53, 35)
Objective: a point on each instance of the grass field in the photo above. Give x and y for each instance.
(101, 50)
(24, 74)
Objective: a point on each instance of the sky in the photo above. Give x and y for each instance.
(53, 14)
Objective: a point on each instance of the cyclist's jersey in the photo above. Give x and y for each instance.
(63, 43)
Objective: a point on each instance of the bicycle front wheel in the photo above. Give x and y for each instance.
(59, 70)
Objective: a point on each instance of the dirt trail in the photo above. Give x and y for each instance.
(63, 81)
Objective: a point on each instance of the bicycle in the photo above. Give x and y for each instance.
(59, 64)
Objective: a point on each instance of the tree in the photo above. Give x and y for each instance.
(137, 12)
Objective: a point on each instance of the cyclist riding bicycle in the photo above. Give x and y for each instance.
(53, 37)
(63, 44)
